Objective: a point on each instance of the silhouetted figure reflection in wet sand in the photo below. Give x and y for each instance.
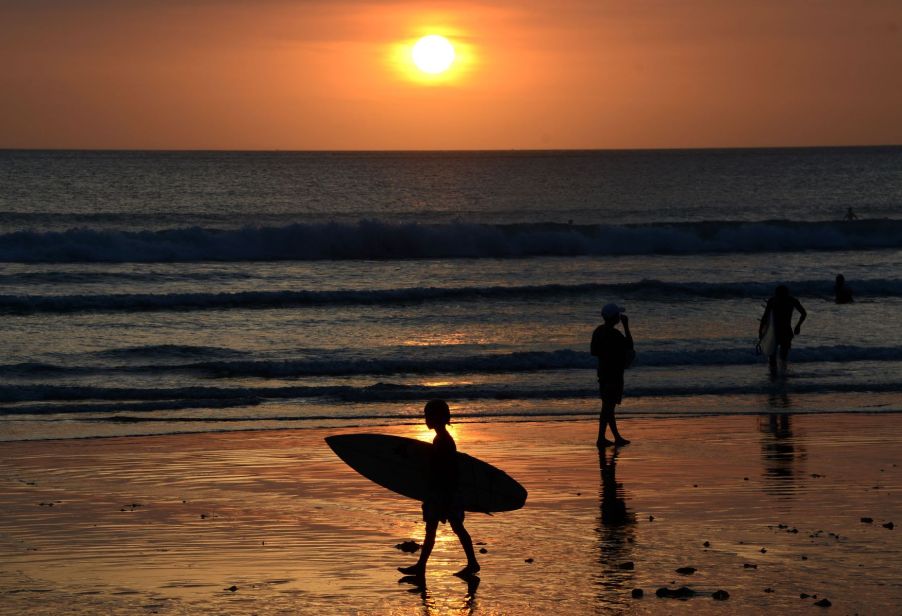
(780, 451)
(419, 586)
(615, 353)
(444, 501)
(781, 306)
(616, 529)
(841, 293)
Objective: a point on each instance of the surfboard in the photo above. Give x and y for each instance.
(768, 342)
(401, 465)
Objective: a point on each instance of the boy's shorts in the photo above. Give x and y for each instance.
(442, 508)
(610, 391)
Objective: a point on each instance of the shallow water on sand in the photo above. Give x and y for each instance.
(167, 524)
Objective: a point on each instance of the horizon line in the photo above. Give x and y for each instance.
(455, 150)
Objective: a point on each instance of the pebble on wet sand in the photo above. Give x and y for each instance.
(867, 520)
(686, 570)
(707, 544)
(720, 595)
(677, 593)
(749, 566)
(232, 588)
(638, 593)
(408, 546)
(823, 603)
(889, 525)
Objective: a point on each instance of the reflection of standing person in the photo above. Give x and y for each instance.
(850, 215)
(841, 292)
(781, 306)
(614, 352)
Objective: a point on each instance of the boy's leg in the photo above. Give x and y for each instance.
(612, 421)
(603, 419)
(457, 525)
(784, 350)
(425, 550)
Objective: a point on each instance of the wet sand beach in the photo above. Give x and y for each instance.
(765, 507)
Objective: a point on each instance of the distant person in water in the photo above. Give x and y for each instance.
(841, 292)
(615, 353)
(850, 215)
(444, 502)
(782, 305)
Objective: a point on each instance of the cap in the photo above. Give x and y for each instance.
(611, 310)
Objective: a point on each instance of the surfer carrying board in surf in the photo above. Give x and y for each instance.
(778, 318)
(443, 504)
(615, 354)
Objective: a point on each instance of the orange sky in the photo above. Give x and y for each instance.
(318, 74)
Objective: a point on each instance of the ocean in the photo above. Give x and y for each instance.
(164, 292)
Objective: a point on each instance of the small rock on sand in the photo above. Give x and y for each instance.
(677, 593)
(749, 566)
(867, 520)
(530, 560)
(707, 544)
(823, 603)
(720, 595)
(686, 570)
(638, 593)
(408, 546)
(232, 588)
(483, 551)
(889, 525)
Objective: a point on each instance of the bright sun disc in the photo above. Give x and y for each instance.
(433, 54)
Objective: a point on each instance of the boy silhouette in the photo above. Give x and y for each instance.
(443, 504)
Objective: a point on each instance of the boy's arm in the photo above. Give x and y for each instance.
(594, 347)
(626, 331)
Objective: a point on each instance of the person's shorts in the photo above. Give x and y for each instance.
(610, 391)
(784, 339)
(443, 507)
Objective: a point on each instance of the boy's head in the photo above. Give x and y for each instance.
(437, 413)
(782, 291)
(611, 313)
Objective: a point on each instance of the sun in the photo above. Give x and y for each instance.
(433, 54)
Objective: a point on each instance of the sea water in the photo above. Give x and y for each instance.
(159, 292)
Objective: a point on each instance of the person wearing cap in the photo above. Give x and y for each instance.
(614, 351)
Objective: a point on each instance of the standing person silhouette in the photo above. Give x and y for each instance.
(615, 353)
(781, 305)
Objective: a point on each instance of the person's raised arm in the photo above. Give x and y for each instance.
(626, 330)
(803, 314)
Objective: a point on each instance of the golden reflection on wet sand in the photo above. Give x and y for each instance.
(169, 524)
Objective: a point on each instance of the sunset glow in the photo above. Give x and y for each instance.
(269, 74)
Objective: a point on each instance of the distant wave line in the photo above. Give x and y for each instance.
(382, 393)
(374, 239)
(260, 300)
(520, 361)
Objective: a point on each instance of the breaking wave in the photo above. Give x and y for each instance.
(373, 239)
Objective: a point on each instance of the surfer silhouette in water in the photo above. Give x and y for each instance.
(615, 354)
(781, 307)
(841, 292)
(443, 503)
